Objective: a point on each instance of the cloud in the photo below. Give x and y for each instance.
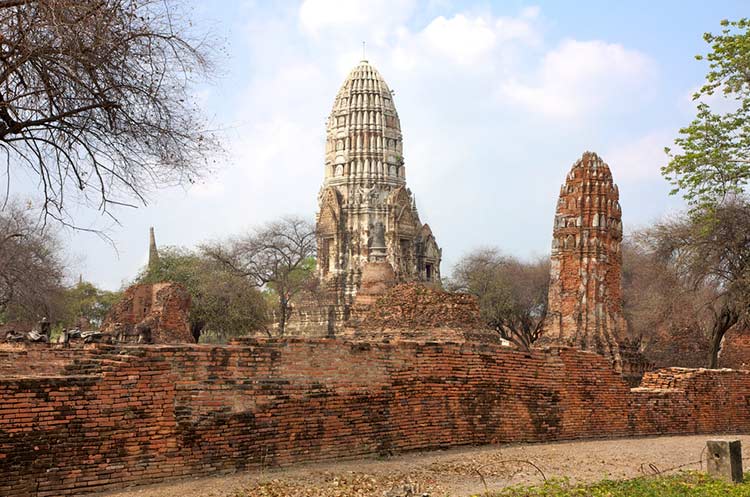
(463, 40)
(372, 18)
(457, 71)
(212, 187)
(470, 40)
(582, 76)
(641, 159)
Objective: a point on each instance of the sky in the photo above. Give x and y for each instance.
(497, 100)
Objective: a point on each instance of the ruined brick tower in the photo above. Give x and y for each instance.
(366, 212)
(585, 303)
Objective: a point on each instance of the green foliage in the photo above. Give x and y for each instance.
(689, 484)
(277, 257)
(88, 301)
(224, 304)
(713, 157)
(298, 277)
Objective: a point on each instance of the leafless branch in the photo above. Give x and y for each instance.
(95, 100)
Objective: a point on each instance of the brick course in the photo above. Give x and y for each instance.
(115, 416)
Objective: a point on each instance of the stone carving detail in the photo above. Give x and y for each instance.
(378, 236)
(585, 302)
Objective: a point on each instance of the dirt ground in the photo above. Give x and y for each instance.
(455, 472)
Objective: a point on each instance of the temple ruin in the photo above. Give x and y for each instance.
(366, 212)
(585, 302)
(155, 312)
(161, 308)
(364, 191)
(403, 365)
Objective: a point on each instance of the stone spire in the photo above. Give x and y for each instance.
(153, 253)
(366, 213)
(585, 302)
(364, 144)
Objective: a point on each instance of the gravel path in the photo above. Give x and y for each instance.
(454, 472)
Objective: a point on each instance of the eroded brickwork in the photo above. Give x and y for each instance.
(735, 350)
(585, 301)
(124, 415)
(412, 306)
(164, 307)
(416, 312)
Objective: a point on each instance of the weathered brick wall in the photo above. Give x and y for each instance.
(680, 400)
(416, 306)
(39, 359)
(142, 414)
(735, 349)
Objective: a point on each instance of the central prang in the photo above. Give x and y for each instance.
(366, 213)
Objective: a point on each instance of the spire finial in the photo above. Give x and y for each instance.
(363, 51)
(153, 253)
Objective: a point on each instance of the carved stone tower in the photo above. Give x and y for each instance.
(585, 303)
(366, 212)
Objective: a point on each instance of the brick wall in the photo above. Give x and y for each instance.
(735, 350)
(40, 359)
(143, 414)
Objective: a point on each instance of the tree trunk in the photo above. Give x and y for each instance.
(196, 329)
(283, 308)
(723, 322)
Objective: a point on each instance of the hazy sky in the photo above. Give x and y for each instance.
(497, 100)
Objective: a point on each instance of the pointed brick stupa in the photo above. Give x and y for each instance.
(585, 301)
(153, 253)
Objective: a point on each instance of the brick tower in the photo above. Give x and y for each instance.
(585, 303)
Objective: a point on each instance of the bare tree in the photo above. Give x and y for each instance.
(710, 254)
(278, 256)
(95, 100)
(512, 294)
(31, 271)
(665, 313)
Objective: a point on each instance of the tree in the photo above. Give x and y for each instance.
(665, 313)
(31, 267)
(713, 162)
(512, 294)
(223, 303)
(95, 99)
(278, 257)
(709, 252)
(84, 300)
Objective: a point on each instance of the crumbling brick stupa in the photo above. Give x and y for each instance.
(160, 309)
(585, 302)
